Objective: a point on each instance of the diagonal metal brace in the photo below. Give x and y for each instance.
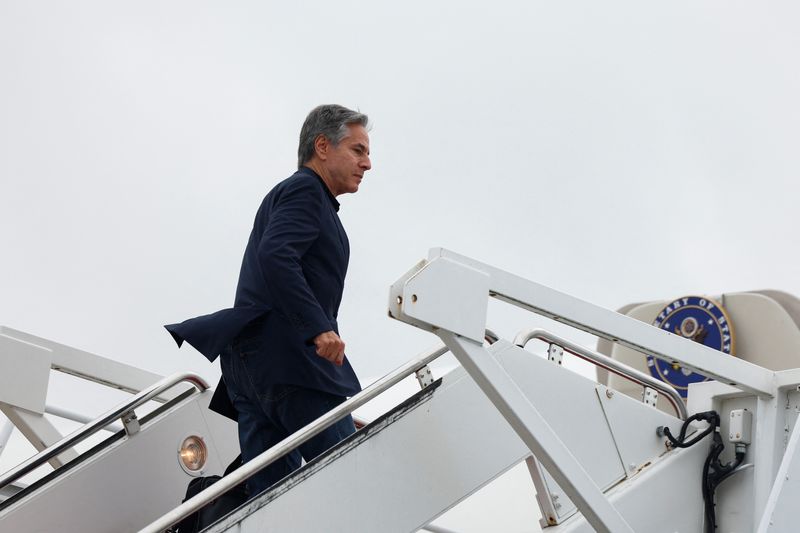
(534, 431)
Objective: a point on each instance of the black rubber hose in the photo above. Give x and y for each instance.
(730, 469)
(714, 473)
(708, 483)
(713, 470)
(709, 416)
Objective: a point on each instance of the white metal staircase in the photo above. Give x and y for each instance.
(600, 463)
(419, 460)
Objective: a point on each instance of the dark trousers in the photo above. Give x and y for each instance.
(269, 413)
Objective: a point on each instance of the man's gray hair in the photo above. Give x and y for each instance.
(330, 120)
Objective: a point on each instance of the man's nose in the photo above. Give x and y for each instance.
(366, 164)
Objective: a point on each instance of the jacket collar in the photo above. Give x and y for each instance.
(327, 190)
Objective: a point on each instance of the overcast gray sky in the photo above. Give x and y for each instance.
(619, 151)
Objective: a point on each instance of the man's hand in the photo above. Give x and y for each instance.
(330, 346)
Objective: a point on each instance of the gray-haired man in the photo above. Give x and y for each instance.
(283, 362)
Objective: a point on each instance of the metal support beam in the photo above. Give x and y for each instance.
(5, 433)
(778, 513)
(39, 431)
(429, 282)
(89, 366)
(534, 431)
(768, 453)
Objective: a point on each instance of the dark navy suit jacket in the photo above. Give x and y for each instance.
(289, 291)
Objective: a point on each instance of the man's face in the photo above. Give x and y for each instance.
(347, 162)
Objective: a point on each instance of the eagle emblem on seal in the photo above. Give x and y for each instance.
(697, 318)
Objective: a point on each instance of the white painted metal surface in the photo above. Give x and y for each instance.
(292, 441)
(89, 366)
(582, 315)
(39, 431)
(535, 432)
(25, 364)
(125, 412)
(766, 335)
(741, 500)
(661, 499)
(748, 380)
(604, 466)
(577, 401)
(465, 289)
(629, 374)
(636, 444)
(24, 376)
(401, 476)
(129, 482)
(6, 428)
(77, 417)
(780, 513)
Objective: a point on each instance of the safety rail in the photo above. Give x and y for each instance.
(603, 361)
(124, 412)
(299, 437)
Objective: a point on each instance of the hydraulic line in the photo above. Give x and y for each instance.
(714, 472)
(707, 416)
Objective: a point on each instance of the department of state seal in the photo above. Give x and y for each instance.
(698, 318)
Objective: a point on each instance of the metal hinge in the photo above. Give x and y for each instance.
(555, 353)
(424, 376)
(650, 396)
(131, 423)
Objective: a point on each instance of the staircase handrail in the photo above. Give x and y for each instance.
(606, 362)
(296, 439)
(102, 421)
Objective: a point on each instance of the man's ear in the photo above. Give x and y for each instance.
(321, 146)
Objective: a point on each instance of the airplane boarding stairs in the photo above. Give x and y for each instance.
(595, 449)
(116, 472)
(397, 474)
(414, 463)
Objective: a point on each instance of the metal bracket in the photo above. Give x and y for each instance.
(131, 423)
(650, 396)
(555, 353)
(428, 295)
(424, 377)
